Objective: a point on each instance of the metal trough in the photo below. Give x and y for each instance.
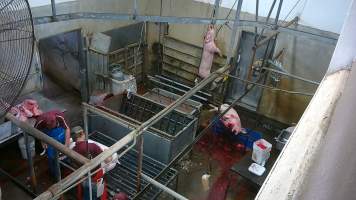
(163, 97)
(163, 141)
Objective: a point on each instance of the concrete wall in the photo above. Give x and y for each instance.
(303, 57)
(88, 26)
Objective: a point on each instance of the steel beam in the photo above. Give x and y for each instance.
(317, 35)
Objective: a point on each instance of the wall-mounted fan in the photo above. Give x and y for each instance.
(16, 50)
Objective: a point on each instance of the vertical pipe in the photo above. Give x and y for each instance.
(85, 122)
(57, 166)
(85, 119)
(234, 32)
(267, 18)
(215, 11)
(30, 163)
(270, 10)
(83, 53)
(54, 11)
(256, 19)
(139, 161)
(90, 186)
(135, 10)
(278, 12)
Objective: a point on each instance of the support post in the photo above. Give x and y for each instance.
(54, 11)
(278, 13)
(30, 163)
(57, 167)
(135, 10)
(234, 33)
(139, 161)
(216, 11)
(83, 54)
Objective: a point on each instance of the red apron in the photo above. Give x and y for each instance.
(94, 178)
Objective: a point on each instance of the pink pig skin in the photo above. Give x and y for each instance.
(231, 119)
(209, 49)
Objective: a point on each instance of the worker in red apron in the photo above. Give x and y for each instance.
(54, 125)
(90, 150)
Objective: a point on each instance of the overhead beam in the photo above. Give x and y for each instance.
(316, 35)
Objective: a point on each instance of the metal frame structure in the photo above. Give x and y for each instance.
(328, 38)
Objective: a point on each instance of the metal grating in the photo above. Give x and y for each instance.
(141, 109)
(123, 178)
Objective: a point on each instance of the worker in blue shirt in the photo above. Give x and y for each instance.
(54, 125)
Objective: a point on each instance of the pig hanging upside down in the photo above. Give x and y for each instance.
(209, 49)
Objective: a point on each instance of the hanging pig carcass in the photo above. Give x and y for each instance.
(209, 49)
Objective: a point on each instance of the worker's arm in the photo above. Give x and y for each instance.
(63, 123)
(99, 151)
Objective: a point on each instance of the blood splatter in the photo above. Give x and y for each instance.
(226, 154)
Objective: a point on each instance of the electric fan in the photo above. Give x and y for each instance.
(16, 50)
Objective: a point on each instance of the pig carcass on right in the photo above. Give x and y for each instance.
(231, 119)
